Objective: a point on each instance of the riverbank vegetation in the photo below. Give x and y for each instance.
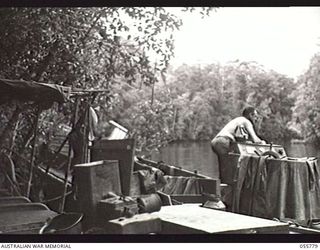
(114, 49)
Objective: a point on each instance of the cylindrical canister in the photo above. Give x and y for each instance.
(149, 203)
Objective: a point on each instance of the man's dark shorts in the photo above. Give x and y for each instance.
(221, 146)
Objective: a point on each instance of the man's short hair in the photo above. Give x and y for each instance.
(247, 111)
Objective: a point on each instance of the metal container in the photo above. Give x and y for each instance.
(66, 223)
(149, 203)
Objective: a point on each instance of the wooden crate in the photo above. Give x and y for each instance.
(93, 182)
(121, 150)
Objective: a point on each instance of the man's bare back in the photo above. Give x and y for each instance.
(230, 128)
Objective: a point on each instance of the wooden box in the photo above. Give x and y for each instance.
(121, 150)
(93, 182)
(258, 149)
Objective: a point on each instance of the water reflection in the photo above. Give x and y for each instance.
(199, 156)
(190, 155)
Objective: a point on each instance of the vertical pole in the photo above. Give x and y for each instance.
(86, 138)
(66, 175)
(33, 152)
(88, 123)
(85, 126)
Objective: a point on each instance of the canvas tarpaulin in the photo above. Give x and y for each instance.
(277, 188)
(181, 185)
(41, 93)
(154, 180)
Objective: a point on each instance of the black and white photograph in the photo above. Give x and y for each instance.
(159, 124)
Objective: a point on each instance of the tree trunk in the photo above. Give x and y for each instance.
(5, 136)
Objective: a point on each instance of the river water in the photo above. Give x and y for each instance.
(199, 156)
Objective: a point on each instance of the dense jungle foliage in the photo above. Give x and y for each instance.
(111, 49)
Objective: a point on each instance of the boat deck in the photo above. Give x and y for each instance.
(194, 219)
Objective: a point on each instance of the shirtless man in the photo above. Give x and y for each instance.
(222, 141)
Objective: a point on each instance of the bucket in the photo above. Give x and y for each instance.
(149, 203)
(66, 223)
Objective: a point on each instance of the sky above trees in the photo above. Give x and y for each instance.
(283, 39)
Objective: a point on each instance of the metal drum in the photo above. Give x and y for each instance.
(149, 203)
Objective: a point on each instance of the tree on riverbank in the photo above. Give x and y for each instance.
(306, 116)
(205, 98)
(111, 48)
(85, 47)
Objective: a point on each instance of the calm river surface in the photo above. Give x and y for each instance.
(199, 156)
